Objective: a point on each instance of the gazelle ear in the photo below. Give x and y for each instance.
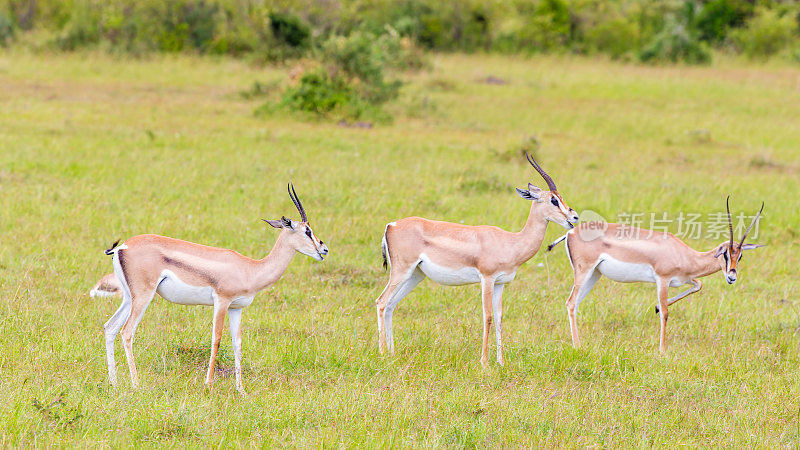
(274, 223)
(722, 248)
(528, 195)
(287, 223)
(752, 246)
(533, 188)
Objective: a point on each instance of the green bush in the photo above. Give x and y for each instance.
(362, 59)
(82, 30)
(6, 29)
(765, 34)
(675, 43)
(353, 80)
(616, 38)
(289, 30)
(716, 17)
(321, 94)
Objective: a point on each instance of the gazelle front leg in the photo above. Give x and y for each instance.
(497, 312)
(663, 303)
(696, 286)
(235, 322)
(220, 308)
(487, 294)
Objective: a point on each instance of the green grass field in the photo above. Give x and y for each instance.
(94, 148)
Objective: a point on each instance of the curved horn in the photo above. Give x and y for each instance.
(296, 201)
(730, 224)
(547, 179)
(755, 219)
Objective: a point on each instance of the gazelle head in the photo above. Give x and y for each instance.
(731, 251)
(556, 209)
(299, 234)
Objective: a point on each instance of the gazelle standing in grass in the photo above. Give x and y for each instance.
(629, 254)
(193, 274)
(453, 254)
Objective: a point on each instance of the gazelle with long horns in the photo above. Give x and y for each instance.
(192, 274)
(453, 254)
(629, 254)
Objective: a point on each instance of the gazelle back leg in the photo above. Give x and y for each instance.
(235, 322)
(140, 300)
(112, 327)
(487, 299)
(395, 292)
(497, 312)
(220, 308)
(581, 288)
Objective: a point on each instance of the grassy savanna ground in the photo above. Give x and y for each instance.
(94, 148)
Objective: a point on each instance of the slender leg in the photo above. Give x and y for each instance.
(112, 327)
(220, 308)
(697, 285)
(663, 289)
(397, 276)
(579, 291)
(487, 293)
(497, 313)
(402, 290)
(235, 322)
(395, 280)
(140, 300)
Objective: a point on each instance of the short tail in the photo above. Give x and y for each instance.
(110, 251)
(556, 242)
(385, 250)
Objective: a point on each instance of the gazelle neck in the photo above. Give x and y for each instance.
(529, 239)
(706, 264)
(272, 266)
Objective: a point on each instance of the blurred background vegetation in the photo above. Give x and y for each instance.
(345, 49)
(273, 30)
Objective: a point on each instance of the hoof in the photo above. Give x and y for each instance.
(658, 310)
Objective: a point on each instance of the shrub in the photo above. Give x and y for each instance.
(289, 30)
(616, 38)
(322, 94)
(352, 81)
(6, 29)
(546, 27)
(361, 60)
(716, 17)
(675, 43)
(82, 29)
(765, 34)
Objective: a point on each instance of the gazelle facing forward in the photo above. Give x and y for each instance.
(628, 254)
(192, 274)
(453, 254)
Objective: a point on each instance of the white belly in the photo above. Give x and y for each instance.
(625, 272)
(176, 291)
(447, 276)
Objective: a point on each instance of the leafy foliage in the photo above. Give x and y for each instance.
(767, 33)
(273, 30)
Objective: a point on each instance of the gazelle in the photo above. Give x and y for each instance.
(453, 254)
(193, 274)
(628, 254)
(108, 286)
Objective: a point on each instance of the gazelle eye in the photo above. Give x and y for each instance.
(554, 201)
(308, 232)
